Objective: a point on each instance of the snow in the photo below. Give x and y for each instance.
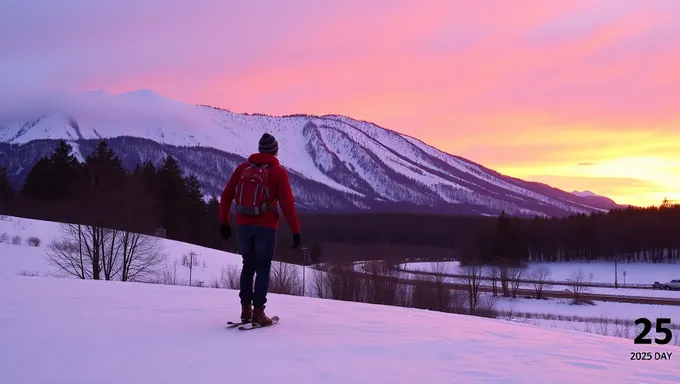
(548, 288)
(585, 193)
(175, 334)
(636, 273)
(29, 260)
(109, 332)
(335, 137)
(604, 309)
(143, 113)
(478, 172)
(602, 271)
(615, 329)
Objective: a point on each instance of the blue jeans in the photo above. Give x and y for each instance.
(257, 250)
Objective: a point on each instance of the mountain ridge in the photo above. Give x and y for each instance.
(376, 165)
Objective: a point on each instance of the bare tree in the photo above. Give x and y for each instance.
(443, 294)
(424, 295)
(320, 287)
(285, 279)
(108, 254)
(87, 252)
(141, 256)
(383, 283)
(503, 271)
(494, 273)
(516, 274)
(540, 276)
(70, 254)
(68, 258)
(341, 282)
(472, 275)
(577, 286)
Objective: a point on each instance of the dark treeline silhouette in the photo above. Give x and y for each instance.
(101, 191)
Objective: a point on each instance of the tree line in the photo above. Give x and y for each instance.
(99, 190)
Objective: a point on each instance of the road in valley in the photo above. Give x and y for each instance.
(565, 294)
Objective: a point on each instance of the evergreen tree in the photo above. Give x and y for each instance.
(36, 184)
(105, 177)
(56, 177)
(65, 171)
(194, 210)
(170, 186)
(6, 190)
(212, 233)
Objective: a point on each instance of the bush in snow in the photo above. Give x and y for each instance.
(230, 278)
(33, 241)
(27, 273)
(4, 238)
(16, 240)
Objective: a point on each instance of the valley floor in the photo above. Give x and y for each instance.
(71, 331)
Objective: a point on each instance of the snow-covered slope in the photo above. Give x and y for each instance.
(585, 193)
(367, 164)
(594, 198)
(18, 257)
(57, 330)
(83, 331)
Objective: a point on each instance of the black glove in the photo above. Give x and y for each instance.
(225, 231)
(296, 240)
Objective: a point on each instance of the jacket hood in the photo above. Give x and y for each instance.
(263, 158)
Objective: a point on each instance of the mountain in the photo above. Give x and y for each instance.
(595, 198)
(585, 193)
(336, 163)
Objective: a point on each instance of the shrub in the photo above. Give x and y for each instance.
(33, 241)
(27, 273)
(230, 278)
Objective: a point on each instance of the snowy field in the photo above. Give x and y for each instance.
(210, 265)
(602, 272)
(112, 332)
(594, 290)
(27, 260)
(597, 271)
(600, 309)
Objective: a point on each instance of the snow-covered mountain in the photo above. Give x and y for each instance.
(594, 198)
(336, 162)
(585, 193)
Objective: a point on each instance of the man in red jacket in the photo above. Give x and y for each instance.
(256, 186)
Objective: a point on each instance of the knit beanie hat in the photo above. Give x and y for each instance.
(268, 144)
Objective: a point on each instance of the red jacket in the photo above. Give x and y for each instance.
(279, 185)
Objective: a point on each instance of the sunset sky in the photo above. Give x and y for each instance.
(575, 94)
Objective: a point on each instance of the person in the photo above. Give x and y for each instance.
(256, 186)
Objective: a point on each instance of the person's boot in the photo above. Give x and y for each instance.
(246, 312)
(259, 317)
